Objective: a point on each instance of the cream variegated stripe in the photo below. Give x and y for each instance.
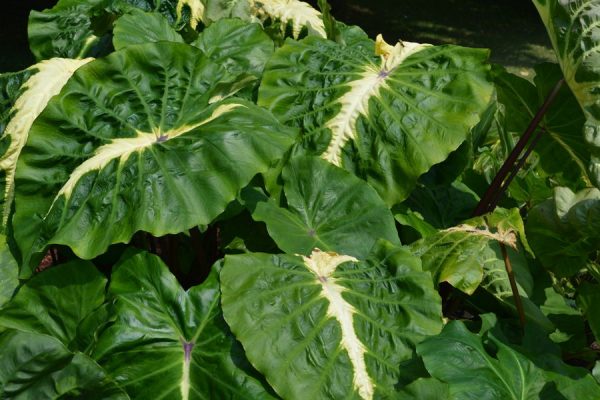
(122, 148)
(299, 13)
(355, 102)
(196, 11)
(52, 75)
(323, 265)
(185, 373)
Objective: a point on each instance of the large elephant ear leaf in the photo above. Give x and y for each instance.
(328, 208)
(239, 46)
(387, 118)
(56, 301)
(162, 331)
(328, 325)
(35, 366)
(575, 34)
(27, 94)
(143, 146)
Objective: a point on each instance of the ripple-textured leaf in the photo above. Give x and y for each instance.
(388, 118)
(328, 325)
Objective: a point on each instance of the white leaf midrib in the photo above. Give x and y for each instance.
(122, 148)
(323, 265)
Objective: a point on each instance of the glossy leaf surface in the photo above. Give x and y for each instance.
(389, 118)
(327, 208)
(138, 27)
(166, 342)
(56, 301)
(35, 366)
(328, 325)
(139, 151)
(239, 46)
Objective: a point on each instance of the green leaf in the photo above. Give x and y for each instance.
(478, 367)
(588, 299)
(169, 343)
(570, 333)
(327, 208)
(443, 206)
(56, 301)
(138, 27)
(561, 156)
(389, 118)
(409, 218)
(239, 46)
(141, 147)
(565, 231)
(328, 325)
(460, 255)
(425, 389)
(496, 282)
(43, 81)
(574, 32)
(65, 30)
(9, 273)
(455, 257)
(83, 28)
(34, 366)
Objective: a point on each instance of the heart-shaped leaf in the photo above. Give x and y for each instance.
(328, 208)
(169, 343)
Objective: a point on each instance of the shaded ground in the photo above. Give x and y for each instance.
(14, 49)
(511, 28)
